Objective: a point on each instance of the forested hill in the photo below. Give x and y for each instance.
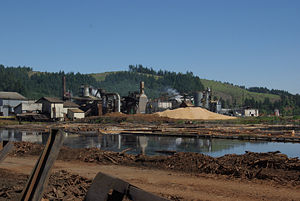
(156, 83)
(34, 85)
(230, 95)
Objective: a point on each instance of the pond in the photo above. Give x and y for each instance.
(157, 145)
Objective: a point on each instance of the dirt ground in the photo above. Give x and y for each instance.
(169, 184)
(182, 176)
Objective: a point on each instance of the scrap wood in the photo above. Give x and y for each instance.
(124, 151)
(110, 159)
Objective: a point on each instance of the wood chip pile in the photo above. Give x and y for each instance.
(193, 113)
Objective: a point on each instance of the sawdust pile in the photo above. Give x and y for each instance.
(192, 113)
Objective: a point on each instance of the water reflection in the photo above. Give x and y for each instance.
(16, 135)
(151, 144)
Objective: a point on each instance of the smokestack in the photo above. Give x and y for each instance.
(64, 87)
(86, 92)
(142, 86)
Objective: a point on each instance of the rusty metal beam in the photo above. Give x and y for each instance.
(5, 148)
(39, 177)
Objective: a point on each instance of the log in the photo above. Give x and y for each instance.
(37, 182)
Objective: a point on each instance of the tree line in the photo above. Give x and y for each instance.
(34, 85)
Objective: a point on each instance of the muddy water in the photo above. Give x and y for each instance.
(155, 145)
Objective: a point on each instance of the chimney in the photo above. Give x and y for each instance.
(64, 87)
(142, 87)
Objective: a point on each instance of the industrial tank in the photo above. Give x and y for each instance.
(197, 98)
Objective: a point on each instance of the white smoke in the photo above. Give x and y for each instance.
(174, 94)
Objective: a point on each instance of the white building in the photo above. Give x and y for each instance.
(75, 114)
(69, 105)
(251, 113)
(52, 107)
(9, 100)
(158, 106)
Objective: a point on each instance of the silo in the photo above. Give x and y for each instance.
(197, 98)
(86, 91)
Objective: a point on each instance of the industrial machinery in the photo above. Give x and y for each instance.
(135, 102)
(96, 102)
(203, 99)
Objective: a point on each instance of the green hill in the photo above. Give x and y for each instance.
(155, 85)
(234, 93)
(227, 92)
(34, 84)
(101, 76)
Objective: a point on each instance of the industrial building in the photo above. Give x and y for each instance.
(158, 106)
(75, 114)
(8, 101)
(52, 107)
(57, 109)
(203, 99)
(96, 102)
(250, 112)
(67, 105)
(241, 112)
(135, 102)
(28, 107)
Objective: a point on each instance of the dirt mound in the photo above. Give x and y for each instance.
(193, 113)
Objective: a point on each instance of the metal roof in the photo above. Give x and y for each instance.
(70, 104)
(89, 98)
(76, 110)
(50, 99)
(11, 96)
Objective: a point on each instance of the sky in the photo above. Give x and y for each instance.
(244, 42)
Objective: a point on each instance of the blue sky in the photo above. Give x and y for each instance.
(251, 43)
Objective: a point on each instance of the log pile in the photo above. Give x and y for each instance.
(66, 186)
(62, 186)
(272, 165)
(27, 148)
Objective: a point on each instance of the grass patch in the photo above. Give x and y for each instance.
(231, 92)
